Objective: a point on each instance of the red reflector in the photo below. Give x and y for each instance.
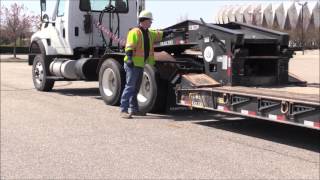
(223, 108)
(317, 124)
(252, 113)
(281, 117)
(229, 72)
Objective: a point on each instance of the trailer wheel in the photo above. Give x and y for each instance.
(111, 81)
(153, 91)
(40, 73)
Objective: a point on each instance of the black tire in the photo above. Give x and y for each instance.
(153, 91)
(111, 81)
(40, 72)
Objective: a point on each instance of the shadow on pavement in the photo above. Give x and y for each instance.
(290, 135)
(281, 133)
(78, 91)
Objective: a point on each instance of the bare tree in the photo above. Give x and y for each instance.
(16, 21)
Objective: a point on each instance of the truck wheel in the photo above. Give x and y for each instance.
(39, 75)
(153, 91)
(111, 81)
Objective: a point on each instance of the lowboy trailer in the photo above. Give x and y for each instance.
(244, 72)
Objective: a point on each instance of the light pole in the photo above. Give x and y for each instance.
(302, 38)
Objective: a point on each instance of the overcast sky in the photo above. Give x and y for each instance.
(167, 12)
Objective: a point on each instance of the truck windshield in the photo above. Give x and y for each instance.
(120, 5)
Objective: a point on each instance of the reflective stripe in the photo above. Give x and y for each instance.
(139, 61)
(129, 44)
(138, 53)
(246, 112)
(140, 40)
(276, 117)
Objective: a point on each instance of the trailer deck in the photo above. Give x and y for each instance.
(278, 106)
(286, 104)
(284, 93)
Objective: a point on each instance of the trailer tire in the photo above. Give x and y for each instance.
(111, 81)
(153, 91)
(40, 74)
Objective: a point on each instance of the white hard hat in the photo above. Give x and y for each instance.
(145, 14)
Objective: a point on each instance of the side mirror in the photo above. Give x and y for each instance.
(43, 5)
(120, 6)
(85, 5)
(45, 18)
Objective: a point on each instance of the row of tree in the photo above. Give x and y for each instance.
(17, 26)
(309, 39)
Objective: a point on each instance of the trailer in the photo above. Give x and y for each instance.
(244, 72)
(232, 68)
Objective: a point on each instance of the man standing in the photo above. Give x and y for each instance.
(139, 51)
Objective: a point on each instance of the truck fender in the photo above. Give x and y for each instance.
(36, 47)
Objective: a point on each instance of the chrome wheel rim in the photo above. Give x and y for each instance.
(109, 82)
(38, 73)
(145, 92)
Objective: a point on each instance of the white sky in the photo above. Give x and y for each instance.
(166, 12)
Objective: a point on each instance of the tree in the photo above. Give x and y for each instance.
(16, 22)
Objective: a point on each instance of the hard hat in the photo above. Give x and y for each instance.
(145, 14)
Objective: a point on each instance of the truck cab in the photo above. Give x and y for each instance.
(73, 26)
(79, 39)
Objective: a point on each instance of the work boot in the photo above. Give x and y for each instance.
(139, 113)
(125, 115)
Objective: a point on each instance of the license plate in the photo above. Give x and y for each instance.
(196, 100)
(221, 101)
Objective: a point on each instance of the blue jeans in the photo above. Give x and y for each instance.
(129, 102)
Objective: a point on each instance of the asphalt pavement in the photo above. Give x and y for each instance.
(70, 133)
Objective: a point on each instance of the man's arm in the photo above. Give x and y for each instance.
(131, 44)
(129, 53)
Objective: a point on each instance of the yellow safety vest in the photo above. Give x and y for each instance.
(135, 43)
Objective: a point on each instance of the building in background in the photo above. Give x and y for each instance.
(301, 21)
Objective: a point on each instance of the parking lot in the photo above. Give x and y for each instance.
(70, 133)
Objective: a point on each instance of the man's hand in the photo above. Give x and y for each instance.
(130, 63)
(167, 32)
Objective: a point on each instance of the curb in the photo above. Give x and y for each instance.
(14, 60)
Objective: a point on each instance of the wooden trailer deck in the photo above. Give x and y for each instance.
(306, 95)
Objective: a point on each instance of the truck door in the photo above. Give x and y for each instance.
(60, 26)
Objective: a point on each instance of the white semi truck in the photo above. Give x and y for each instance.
(232, 68)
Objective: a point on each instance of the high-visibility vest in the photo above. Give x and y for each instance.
(135, 43)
